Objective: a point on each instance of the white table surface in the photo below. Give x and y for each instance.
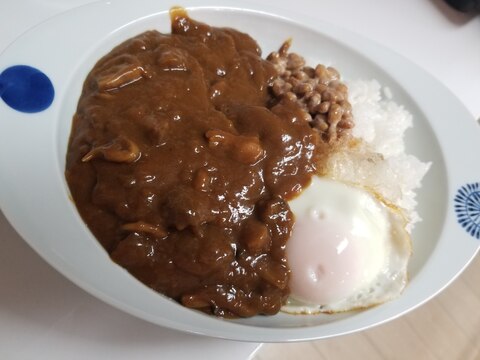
(44, 316)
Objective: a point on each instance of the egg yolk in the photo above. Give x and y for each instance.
(323, 256)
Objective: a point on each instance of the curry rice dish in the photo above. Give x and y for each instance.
(184, 152)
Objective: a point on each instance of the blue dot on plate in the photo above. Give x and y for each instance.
(26, 89)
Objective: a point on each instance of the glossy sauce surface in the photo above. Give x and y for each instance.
(182, 169)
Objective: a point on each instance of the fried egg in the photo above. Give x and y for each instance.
(349, 249)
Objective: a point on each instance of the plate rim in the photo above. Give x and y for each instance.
(345, 36)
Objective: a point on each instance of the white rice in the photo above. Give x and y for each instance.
(380, 162)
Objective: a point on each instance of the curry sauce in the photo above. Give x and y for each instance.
(181, 165)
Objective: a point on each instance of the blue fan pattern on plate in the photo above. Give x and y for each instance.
(467, 207)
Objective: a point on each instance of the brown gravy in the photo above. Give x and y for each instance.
(181, 167)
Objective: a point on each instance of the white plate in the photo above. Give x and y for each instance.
(35, 197)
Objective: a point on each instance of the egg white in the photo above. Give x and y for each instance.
(375, 269)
